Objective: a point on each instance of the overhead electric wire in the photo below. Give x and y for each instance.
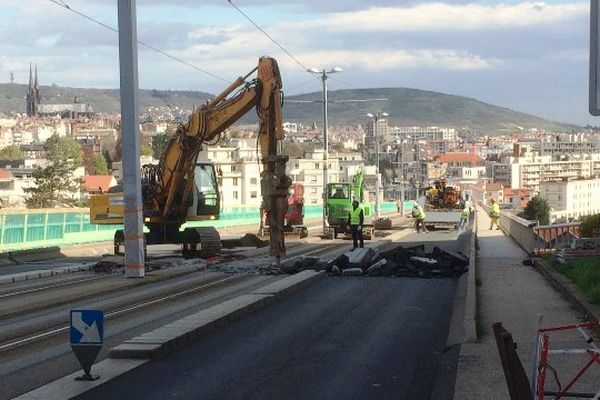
(62, 4)
(351, 86)
(289, 89)
(269, 36)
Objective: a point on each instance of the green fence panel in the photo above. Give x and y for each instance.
(14, 228)
(56, 225)
(20, 231)
(73, 222)
(35, 226)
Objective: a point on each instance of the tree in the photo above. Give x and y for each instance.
(100, 166)
(64, 149)
(159, 144)
(11, 153)
(146, 150)
(537, 210)
(54, 185)
(293, 150)
(590, 226)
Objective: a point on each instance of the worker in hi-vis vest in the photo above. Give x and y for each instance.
(419, 216)
(356, 218)
(494, 214)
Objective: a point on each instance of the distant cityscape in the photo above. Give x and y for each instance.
(562, 168)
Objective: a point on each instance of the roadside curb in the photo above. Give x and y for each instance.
(470, 321)
(589, 311)
(67, 387)
(43, 273)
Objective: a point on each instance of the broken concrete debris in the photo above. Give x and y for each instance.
(395, 261)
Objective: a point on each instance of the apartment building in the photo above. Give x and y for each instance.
(571, 199)
(309, 171)
(529, 172)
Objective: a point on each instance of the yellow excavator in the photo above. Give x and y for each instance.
(180, 188)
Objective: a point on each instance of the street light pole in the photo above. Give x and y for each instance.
(323, 75)
(402, 175)
(376, 117)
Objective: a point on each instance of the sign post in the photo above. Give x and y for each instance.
(86, 335)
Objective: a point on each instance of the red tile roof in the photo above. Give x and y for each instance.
(493, 187)
(5, 174)
(508, 191)
(93, 183)
(459, 157)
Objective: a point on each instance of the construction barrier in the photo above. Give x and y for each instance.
(542, 363)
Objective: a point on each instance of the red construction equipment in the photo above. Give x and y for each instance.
(294, 215)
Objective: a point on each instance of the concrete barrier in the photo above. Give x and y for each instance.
(470, 319)
(19, 256)
(463, 324)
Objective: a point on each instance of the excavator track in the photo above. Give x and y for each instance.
(202, 242)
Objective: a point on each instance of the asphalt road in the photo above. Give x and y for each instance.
(340, 338)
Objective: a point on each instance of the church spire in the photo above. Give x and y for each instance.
(33, 93)
(30, 79)
(36, 85)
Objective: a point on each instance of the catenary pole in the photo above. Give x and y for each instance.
(132, 186)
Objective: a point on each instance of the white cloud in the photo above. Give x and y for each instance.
(383, 60)
(454, 17)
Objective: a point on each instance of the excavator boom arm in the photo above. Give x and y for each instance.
(171, 193)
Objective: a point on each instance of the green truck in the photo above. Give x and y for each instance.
(339, 202)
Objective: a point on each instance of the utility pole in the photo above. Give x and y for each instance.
(376, 117)
(323, 75)
(12, 77)
(132, 183)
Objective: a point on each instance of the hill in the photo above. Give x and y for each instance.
(406, 107)
(12, 98)
(413, 107)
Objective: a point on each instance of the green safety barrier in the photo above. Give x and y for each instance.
(22, 230)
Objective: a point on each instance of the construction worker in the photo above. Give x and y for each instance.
(494, 214)
(356, 219)
(419, 215)
(339, 194)
(464, 216)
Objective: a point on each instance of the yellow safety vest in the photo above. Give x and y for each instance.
(420, 213)
(355, 216)
(495, 210)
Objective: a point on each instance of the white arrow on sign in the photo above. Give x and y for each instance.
(90, 333)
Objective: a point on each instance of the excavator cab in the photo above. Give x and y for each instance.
(206, 200)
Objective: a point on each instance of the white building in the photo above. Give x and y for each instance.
(571, 199)
(290, 127)
(529, 172)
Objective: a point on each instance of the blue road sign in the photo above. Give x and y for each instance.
(87, 327)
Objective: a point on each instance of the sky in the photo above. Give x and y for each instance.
(528, 56)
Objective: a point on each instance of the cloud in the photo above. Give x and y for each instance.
(449, 17)
(382, 60)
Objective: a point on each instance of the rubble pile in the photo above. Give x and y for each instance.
(115, 264)
(396, 261)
